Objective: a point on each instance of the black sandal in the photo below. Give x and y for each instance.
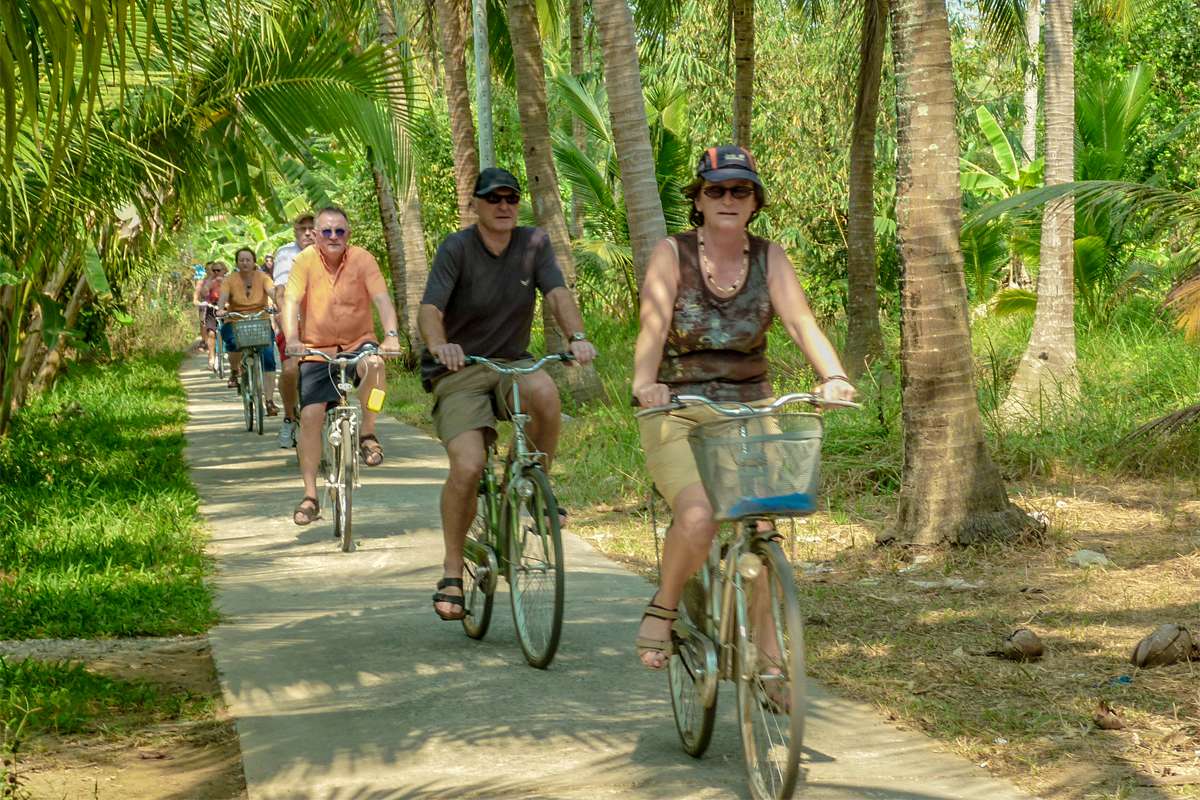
(452, 599)
(304, 514)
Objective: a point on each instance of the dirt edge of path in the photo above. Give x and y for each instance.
(197, 758)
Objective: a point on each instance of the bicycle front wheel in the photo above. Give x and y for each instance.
(535, 566)
(770, 671)
(256, 382)
(344, 490)
(247, 396)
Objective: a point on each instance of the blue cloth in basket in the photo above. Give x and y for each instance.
(784, 504)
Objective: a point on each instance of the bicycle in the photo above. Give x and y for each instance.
(252, 334)
(756, 463)
(339, 438)
(516, 530)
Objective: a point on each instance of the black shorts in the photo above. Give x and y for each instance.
(318, 382)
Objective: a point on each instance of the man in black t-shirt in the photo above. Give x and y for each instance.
(479, 300)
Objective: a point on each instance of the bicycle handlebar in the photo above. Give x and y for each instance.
(237, 315)
(736, 409)
(506, 370)
(349, 359)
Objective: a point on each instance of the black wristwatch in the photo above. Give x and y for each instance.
(578, 336)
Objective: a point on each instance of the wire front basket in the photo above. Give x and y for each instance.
(760, 466)
(252, 333)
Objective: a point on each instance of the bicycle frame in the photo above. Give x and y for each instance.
(519, 457)
(330, 430)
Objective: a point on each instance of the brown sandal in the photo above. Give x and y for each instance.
(370, 449)
(645, 644)
(307, 511)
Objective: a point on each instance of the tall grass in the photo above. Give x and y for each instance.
(1134, 369)
(99, 533)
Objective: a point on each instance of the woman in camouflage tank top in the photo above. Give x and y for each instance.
(709, 297)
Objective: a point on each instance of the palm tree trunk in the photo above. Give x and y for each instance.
(1047, 373)
(403, 234)
(631, 134)
(416, 264)
(950, 490)
(52, 363)
(1033, 35)
(458, 99)
(577, 130)
(864, 340)
(583, 383)
(483, 84)
(393, 240)
(29, 359)
(743, 70)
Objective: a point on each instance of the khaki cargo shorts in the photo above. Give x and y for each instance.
(669, 458)
(474, 397)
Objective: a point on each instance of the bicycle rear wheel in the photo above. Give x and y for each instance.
(770, 671)
(692, 677)
(535, 566)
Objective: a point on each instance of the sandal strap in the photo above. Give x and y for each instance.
(368, 437)
(455, 583)
(656, 645)
(659, 612)
(452, 599)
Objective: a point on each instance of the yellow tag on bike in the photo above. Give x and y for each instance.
(375, 400)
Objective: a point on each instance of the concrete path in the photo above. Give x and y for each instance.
(346, 687)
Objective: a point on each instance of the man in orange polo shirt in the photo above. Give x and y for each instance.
(331, 289)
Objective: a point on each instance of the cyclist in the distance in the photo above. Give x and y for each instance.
(709, 297)
(289, 378)
(479, 301)
(246, 291)
(208, 292)
(327, 306)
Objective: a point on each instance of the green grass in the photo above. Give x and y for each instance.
(64, 698)
(99, 532)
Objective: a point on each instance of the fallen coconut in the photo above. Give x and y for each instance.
(1020, 645)
(1168, 644)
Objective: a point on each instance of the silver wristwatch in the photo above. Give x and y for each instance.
(578, 336)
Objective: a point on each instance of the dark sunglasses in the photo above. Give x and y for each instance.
(738, 192)
(494, 199)
(329, 233)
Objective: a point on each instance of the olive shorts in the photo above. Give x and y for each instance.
(472, 398)
(669, 458)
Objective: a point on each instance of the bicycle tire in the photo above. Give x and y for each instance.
(691, 676)
(260, 409)
(247, 397)
(535, 567)
(219, 344)
(344, 492)
(771, 724)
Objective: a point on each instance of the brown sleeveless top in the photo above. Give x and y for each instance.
(717, 347)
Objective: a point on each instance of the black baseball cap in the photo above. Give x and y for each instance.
(494, 178)
(726, 163)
